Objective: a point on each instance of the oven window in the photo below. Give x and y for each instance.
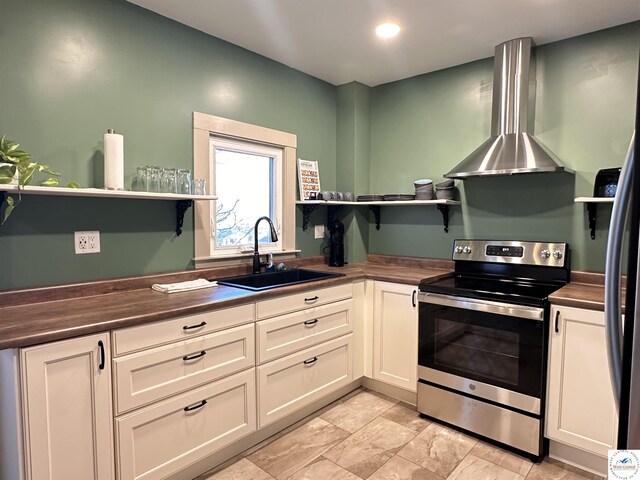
(488, 352)
(499, 350)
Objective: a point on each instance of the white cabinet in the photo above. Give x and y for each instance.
(286, 334)
(580, 405)
(395, 334)
(158, 440)
(67, 409)
(314, 330)
(290, 383)
(144, 377)
(184, 389)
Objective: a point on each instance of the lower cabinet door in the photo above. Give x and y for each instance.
(580, 406)
(67, 409)
(161, 439)
(289, 383)
(395, 334)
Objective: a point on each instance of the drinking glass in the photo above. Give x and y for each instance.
(139, 181)
(153, 178)
(199, 186)
(168, 180)
(184, 181)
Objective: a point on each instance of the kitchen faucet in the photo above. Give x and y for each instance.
(257, 265)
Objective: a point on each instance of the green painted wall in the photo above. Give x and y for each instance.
(72, 69)
(423, 126)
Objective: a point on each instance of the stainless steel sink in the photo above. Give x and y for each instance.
(264, 281)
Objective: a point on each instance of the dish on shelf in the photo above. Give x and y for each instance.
(394, 197)
(370, 198)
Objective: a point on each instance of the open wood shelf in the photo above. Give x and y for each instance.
(183, 202)
(591, 203)
(308, 206)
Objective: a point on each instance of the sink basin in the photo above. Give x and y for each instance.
(264, 281)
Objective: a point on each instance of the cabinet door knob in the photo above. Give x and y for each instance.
(101, 348)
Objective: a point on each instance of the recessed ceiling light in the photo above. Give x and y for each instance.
(387, 30)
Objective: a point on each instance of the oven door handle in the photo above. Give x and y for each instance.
(520, 311)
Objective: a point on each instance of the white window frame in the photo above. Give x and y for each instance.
(242, 146)
(204, 128)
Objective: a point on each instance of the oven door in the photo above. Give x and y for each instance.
(486, 349)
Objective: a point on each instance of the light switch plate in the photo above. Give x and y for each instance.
(318, 231)
(86, 242)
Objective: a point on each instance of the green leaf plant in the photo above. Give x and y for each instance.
(17, 163)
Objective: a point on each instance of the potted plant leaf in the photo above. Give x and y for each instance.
(17, 168)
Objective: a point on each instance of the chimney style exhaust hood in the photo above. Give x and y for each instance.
(511, 149)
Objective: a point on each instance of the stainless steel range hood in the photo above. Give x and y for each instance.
(511, 149)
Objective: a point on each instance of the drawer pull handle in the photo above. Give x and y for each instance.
(193, 357)
(311, 361)
(195, 407)
(311, 299)
(101, 347)
(191, 327)
(310, 323)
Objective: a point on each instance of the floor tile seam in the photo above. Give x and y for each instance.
(420, 466)
(321, 454)
(259, 468)
(494, 463)
(375, 418)
(339, 466)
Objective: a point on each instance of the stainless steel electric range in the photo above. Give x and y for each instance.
(482, 339)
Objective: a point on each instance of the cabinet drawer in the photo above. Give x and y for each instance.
(306, 299)
(292, 382)
(133, 339)
(161, 439)
(288, 333)
(144, 377)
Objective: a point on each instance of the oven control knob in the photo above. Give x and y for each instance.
(458, 249)
(545, 253)
(466, 250)
(557, 254)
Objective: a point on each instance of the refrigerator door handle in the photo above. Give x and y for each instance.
(613, 267)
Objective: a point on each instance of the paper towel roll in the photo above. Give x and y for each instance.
(113, 161)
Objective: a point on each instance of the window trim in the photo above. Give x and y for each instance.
(234, 144)
(204, 126)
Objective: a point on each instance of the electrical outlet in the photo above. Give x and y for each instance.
(318, 231)
(87, 242)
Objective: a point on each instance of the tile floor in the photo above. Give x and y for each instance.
(367, 435)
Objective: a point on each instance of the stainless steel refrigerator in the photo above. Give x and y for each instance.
(623, 341)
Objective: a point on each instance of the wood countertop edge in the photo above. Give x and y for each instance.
(112, 318)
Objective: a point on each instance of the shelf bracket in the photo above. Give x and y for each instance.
(181, 207)
(444, 209)
(332, 211)
(306, 215)
(376, 213)
(591, 212)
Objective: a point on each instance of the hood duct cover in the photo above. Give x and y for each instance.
(511, 149)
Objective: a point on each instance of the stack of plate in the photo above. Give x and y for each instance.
(395, 197)
(370, 198)
(424, 189)
(445, 190)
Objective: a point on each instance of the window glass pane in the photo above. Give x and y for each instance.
(244, 186)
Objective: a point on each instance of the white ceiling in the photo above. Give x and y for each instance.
(334, 39)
